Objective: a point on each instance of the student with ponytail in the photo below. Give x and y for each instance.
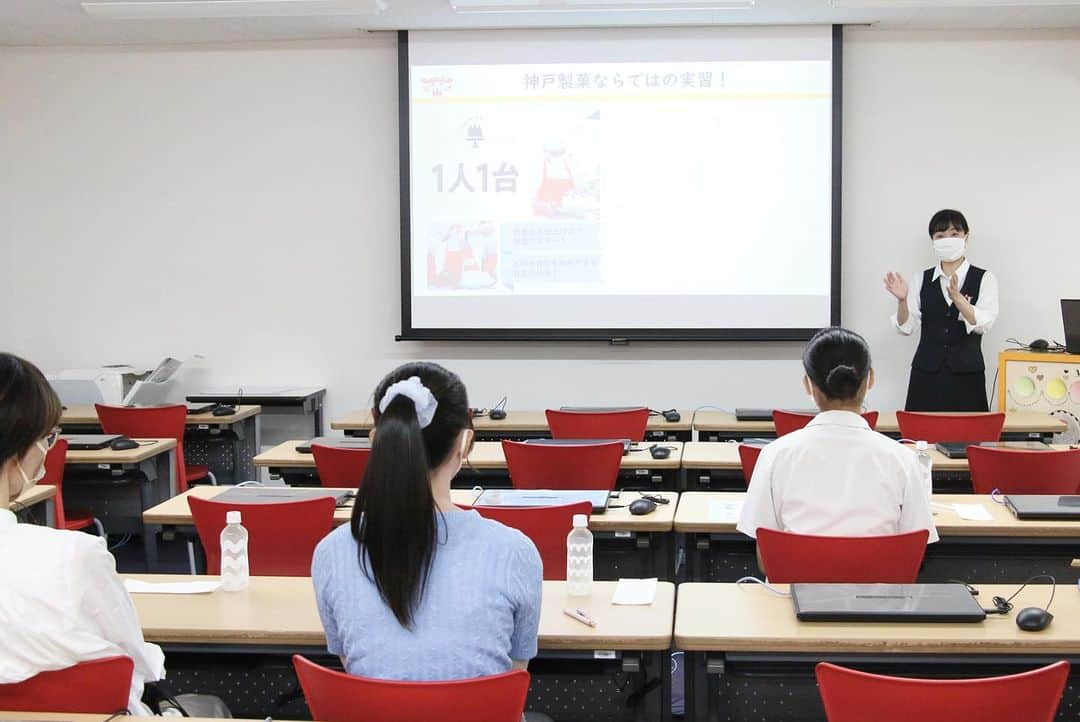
(414, 588)
(837, 477)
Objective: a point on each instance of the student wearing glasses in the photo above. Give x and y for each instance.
(61, 601)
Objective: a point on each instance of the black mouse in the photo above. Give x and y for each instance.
(1039, 344)
(660, 452)
(672, 416)
(497, 414)
(123, 443)
(223, 411)
(1030, 619)
(644, 506)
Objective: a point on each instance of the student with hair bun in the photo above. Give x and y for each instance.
(837, 477)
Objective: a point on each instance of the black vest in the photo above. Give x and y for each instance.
(945, 340)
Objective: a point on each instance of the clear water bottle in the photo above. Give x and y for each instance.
(926, 466)
(234, 554)
(579, 569)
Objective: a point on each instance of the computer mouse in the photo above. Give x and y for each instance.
(497, 414)
(672, 416)
(223, 411)
(660, 452)
(642, 507)
(1039, 344)
(123, 443)
(1031, 619)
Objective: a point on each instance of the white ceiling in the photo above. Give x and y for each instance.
(64, 22)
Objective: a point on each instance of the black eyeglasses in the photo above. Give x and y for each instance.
(52, 438)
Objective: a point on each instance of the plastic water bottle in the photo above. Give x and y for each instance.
(234, 554)
(579, 573)
(926, 466)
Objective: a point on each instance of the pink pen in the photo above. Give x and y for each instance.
(581, 615)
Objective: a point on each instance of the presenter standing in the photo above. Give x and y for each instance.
(955, 303)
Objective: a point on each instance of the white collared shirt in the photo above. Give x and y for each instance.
(62, 602)
(986, 309)
(837, 477)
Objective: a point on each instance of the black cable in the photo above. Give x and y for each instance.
(1003, 605)
(114, 715)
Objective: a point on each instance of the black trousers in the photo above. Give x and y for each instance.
(946, 390)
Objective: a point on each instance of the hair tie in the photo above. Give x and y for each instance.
(421, 396)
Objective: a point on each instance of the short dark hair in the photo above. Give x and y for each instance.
(837, 361)
(29, 407)
(946, 219)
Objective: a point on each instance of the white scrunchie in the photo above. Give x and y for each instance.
(421, 396)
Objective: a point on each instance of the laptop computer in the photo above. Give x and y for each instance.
(1070, 319)
(627, 443)
(278, 494)
(338, 442)
(1044, 506)
(958, 449)
(885, 603)
(599, 409)
(197, 409)
(89, 442)
(766, 414)
(542, 497)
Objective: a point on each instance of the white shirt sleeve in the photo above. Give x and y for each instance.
(986, 310)
(915, 508)
(914, 308)
(758, 508)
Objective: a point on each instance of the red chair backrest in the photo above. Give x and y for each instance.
(934, 428)
(793, 558)
(748, 455)
(338, 697)
(342, 468)
(1014, 471)
(157, 422)
(852, 696)
(100, 686)
(547, 526)
(549, 466)
(629, 424)
(788, 421)
(54, 475)
(281, 537)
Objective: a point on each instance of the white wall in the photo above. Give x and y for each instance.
(241, 202)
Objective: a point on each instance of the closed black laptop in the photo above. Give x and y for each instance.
(885, 603)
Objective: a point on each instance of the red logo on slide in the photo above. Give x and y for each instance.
(437, 86)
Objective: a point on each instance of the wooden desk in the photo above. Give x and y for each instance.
(306, 400)
(525, 425)
(625, 545)
(1003, 550)
(278, 616)
(43, 494)
(204, 432)
(743, 643)
(486, 466)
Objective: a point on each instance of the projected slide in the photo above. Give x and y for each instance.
(608, 193)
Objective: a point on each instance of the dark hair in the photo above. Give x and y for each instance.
(394, 518)
(946, 219)
(837, 361)
(29, 407)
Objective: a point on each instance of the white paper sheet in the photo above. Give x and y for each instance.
(135, 586)
(635, 591)
(725, 511)
(973, 512)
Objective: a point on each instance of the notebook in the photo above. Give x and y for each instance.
(627, 444)
(1044, 506)
(337, 442)
(885, 603)
(958, 449)
(89, 442)
(542, 497)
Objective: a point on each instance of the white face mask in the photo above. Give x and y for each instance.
(950, 249)
(28, 482)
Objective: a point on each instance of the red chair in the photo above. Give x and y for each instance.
(1015, 471)
(549, 466)
(852, 696)
(934, 428)
(788, 421)
(794, 558)
(547, 526)
(629, 424)
(100, 686)
(54, 476)
(748, 455)
(158, 422)
(341, 468)
(281, 537)
(338, 697)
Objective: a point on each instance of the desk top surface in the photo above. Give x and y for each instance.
(88, 415)
(697, 513)
(282, 611)
(725, 455)
(749, 618)
(515, 421)
(36, 495)
(148, 449)
(1015, 422)
(177, 512)
(485, 455)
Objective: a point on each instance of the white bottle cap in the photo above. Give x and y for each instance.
(920, 446)
(581, 521)
(232, 517)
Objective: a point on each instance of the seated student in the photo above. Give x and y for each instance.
(837, 477)
(61, 601)
(415, 588)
